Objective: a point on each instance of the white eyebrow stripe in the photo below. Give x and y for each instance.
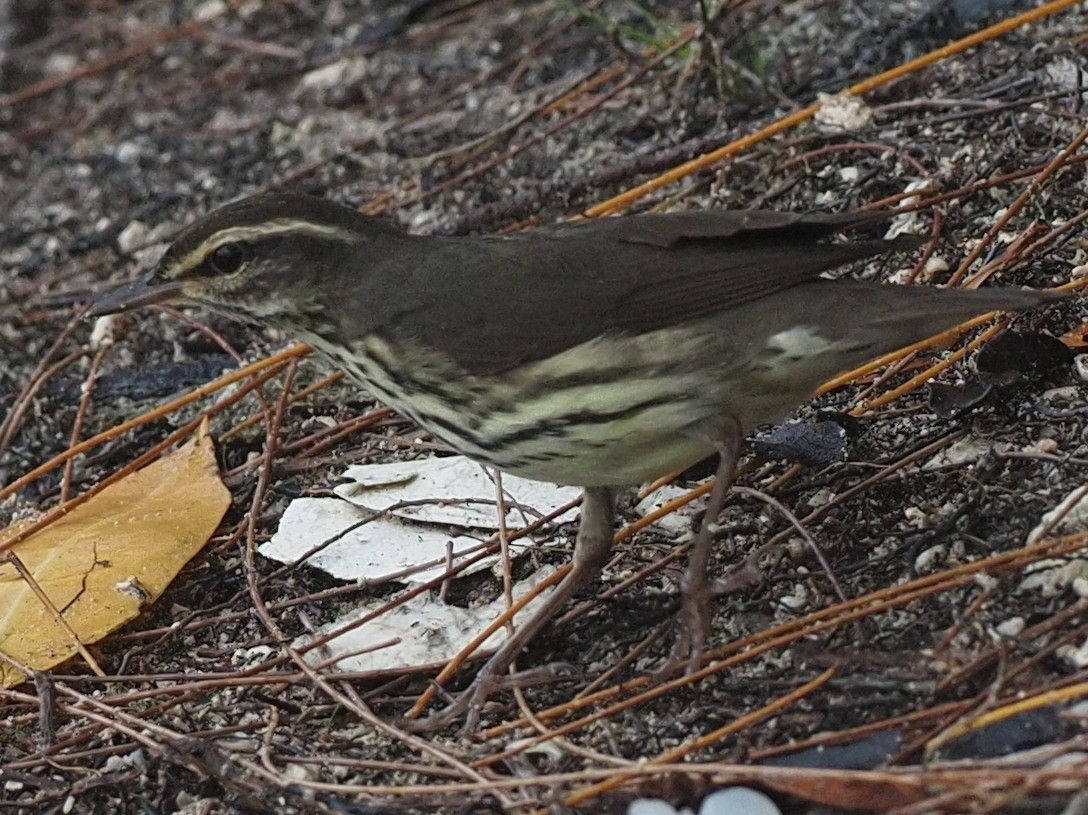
(251, 232)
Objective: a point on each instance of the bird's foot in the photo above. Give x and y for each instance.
(693, 620)
(693, 629)
(469, 704)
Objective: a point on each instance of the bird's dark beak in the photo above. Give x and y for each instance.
(144, 291)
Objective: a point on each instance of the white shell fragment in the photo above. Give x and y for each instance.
(424, 505)
(452, 490)
(423, 631)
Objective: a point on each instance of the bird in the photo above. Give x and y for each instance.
(600, 353)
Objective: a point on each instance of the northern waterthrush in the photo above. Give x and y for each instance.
(600, 354)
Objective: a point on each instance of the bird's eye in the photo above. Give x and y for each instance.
(227, 258)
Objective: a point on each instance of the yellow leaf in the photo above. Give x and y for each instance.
(101, 563)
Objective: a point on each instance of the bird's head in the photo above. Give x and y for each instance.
(268, 259)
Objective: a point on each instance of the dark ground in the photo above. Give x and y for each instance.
(121, 122)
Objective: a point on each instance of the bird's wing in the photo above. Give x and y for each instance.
(528, 296)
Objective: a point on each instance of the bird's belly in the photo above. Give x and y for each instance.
(590, 436)
(614, 411)
(587, 453)
(585, 422)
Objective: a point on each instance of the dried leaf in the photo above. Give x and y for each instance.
(867, 792)
(101, 563)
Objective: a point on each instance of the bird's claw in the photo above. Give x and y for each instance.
(470, 703)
